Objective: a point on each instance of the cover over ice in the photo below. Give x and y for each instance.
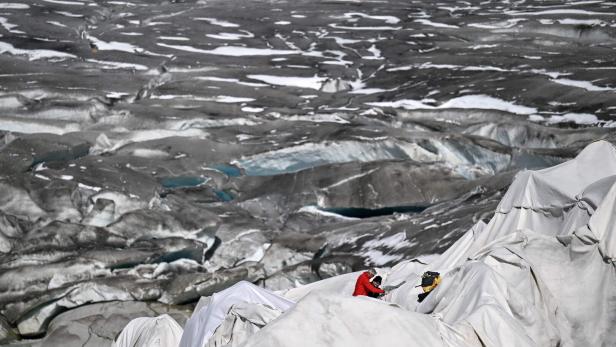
(243, 320)
(201, 326)
(161, 331)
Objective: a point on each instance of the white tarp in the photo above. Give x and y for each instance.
(201, 326)
(161, 331)
(243, 320)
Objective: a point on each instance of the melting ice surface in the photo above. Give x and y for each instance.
(229, 170)
(467, 161)
(293, 159)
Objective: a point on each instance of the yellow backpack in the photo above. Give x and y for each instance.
(429, 281)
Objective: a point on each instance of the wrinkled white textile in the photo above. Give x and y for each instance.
(161, 331)
(243, 320)
(345, 320)
(200, 327)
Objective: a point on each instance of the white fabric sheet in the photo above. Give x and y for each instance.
(161, 331)
(200, 327)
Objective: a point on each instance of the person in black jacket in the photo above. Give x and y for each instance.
(376, 281)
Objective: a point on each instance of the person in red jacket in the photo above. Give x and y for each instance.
(363, 285)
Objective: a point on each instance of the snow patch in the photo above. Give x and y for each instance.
(252, 109)
(174, 38)
(33, 54)
(378, 258)
(120, 46)
(559, 11)
(219, 98)
(87, 187)
(217, 22)
(149, 153)
(65, 2)
(58, 24)
(351, 178)
(13, 6)
(316, 211)
(465, 102)
(319, 118)
(429, 65)
(69, 14)
(582, 84)
(578, 118)
(231, 51)
(381, 28)
(117, 65)
(497, 25)
(386, 19)
(395, 241)
(231, 36)
(9, 27)
(231, 80)
(435, 24)
(300, 82)
(571, 21)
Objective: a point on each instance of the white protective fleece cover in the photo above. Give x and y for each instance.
(161, 331)
(201, 326)
(242, 321)
(540, 273)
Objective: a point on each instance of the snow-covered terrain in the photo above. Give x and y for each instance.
(154, 152)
